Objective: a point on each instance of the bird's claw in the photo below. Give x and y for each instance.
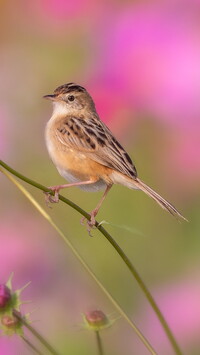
(51, 199)
(90, 224)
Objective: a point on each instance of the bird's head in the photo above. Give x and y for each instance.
(71, 99)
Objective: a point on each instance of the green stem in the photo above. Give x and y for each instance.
(31, 345)
(99, 343)
(36, 334)
(124, 257)
(82, 261)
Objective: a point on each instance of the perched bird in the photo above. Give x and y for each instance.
(85, 152)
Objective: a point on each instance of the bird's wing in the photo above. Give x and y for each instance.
(92, 137)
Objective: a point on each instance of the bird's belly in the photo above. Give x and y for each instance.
(74, 166)
(71, 178)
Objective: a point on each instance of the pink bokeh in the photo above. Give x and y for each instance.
(155, 54)
(112, 105)
(21, 248)
(6, 134)
(8, 345)
(64, 10)
(61, 19)
(179, 303)
(184, 160)
(138, 60)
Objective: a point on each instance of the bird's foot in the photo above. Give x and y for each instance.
(90, 224)
(52, 198)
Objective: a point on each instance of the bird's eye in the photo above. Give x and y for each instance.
(71, 98)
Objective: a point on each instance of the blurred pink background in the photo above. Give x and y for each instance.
(140, 62)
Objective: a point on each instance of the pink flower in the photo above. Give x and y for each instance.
(4, 295)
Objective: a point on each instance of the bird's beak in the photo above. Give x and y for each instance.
(50, 97)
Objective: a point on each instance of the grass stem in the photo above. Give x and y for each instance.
(118, 249)
(99, 343)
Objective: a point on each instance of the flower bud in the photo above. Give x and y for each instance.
(96, 320)
(5, 296)
(9, 321)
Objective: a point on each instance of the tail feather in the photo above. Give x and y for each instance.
(159, 199)
(136, 183)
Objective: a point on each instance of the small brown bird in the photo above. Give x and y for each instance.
(85, 152)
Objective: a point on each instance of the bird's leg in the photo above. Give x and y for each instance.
(97, 208)
(94, 212)
(57, 188)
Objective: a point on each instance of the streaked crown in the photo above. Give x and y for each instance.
(67, 88)
(73, 96)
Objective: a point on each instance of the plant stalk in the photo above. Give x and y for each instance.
(99, 343)
(38, 336)
(121, 253)
(31, 346)
(78, 256)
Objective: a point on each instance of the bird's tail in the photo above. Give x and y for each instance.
(138, 184)
(159, 199)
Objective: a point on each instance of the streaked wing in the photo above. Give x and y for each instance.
(94, 138)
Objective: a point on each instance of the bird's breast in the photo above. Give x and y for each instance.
(72, 164)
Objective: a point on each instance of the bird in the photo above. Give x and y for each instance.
(86, 153)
